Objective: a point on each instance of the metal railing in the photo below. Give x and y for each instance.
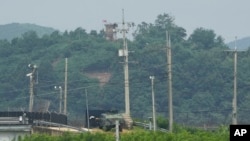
(147, 126)
(46, 123)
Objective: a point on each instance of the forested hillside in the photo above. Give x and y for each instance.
(13, 30)
(202, 73)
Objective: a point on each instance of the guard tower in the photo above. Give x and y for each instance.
(110, 31)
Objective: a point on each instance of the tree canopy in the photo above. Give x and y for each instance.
(202, 72)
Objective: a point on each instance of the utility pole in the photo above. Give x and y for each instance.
(31, 94)
(65, 86)
(124, 53)
(32, 83)
(87, 107)
(234, 101)
(60, 98)
(117, 135)
(153, 102)
(169, 65)
(126, 74)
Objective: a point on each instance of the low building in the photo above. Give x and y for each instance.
(14, 132)
(16, 125)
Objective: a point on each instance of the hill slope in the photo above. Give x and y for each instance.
(202, 74)
(10, 31)
(243, 43)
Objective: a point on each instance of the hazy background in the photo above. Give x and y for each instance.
(228, 18)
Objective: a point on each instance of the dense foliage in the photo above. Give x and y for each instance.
(202, 73)
(198, 135)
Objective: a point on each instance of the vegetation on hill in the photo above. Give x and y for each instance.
(241, 44)
(202, 73)
(13, 30)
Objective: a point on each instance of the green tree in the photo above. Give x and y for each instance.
(205, 38)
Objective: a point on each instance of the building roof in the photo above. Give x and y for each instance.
(16, 128)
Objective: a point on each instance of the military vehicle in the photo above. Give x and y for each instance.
(107, 121)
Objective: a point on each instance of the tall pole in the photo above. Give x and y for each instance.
(60, 98)
(31, 94)
(65, 86)
(153, 102)
(117, 136)
(87, 107)
(60, 104)
(126, 74)
(169, 65)
(32, 83)
(234, 104)
(124, 53)
(234, 101)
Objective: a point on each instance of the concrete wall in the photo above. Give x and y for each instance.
(12, 136)
(13, 132)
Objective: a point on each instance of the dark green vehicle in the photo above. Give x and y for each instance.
(107, 121)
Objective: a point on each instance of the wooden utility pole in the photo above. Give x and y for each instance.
(169, 67)
(65, 86)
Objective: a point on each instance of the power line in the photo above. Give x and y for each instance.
(44, 94)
